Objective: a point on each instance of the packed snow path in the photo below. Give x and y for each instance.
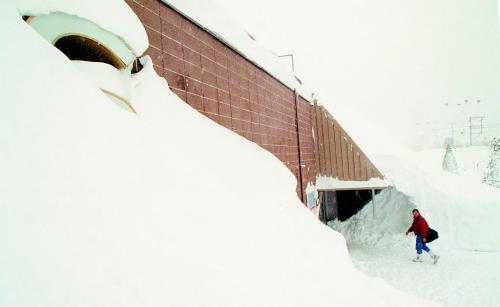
(460, 278)
(379, 248)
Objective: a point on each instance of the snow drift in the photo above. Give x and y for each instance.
(465, 211)
(379, 226)
(379, 247)
(103, 207)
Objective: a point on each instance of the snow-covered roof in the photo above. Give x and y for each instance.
(212, 19)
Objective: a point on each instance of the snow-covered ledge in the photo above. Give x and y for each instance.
(330, 183)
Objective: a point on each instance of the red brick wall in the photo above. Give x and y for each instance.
(227, 88)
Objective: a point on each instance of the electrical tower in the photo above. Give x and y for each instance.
(475, 128)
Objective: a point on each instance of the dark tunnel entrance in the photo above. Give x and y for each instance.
(81, 48)
(343, 204)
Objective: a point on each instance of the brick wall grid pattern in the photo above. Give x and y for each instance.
(227, 88)
(232, 91)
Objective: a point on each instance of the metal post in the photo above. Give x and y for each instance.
(373, 202)
(298, 146)
(325, 208)
(470, 131)
(453, 134)
(475, 127)
(291, 56)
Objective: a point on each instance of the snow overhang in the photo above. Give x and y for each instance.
(57, 26)
(111, 15)
(332, 184)
(101, 56)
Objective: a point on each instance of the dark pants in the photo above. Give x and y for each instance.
(421, 245)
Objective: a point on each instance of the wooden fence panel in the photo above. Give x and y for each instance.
(357, 164)
(351, 159)
(328, 164)
(336, 154)
(338, 151)
(316, 136)
(321, 140)
(364, 175)
(333, 155)
(345, 157)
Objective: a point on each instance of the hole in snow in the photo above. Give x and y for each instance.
(343, 204)
(350, 202)
(136, 66)
(104, 58)
(81, 48)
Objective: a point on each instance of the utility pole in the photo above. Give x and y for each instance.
(453, 134)
(475, 128)
(373, 202)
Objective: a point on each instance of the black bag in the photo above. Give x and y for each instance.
(432, 235)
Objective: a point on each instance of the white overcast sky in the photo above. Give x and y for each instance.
(395, 61)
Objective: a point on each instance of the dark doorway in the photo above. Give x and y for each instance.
(328, 209)
(81, 48)
(351, 201)
(343, 204)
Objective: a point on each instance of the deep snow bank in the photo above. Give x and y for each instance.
(379, 247)
(465, 211)
(383, 225)
(102, 207)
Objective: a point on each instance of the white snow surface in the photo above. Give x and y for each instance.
(330, 183)
(465, 210)
(106, 77)
(472, 160)
(378, 247)
(119, 19)
(103, 207)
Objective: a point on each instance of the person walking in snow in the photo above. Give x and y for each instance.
(421, 230)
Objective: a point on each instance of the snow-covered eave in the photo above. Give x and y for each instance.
(234, 37)
(331, 183)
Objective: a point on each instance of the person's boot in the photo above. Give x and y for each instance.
(434, 257)
(418, 258)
